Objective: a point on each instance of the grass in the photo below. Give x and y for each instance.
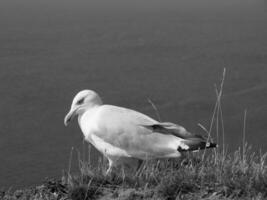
(217, 176)
(212, 174)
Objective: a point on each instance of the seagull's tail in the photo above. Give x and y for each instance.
(194, 144)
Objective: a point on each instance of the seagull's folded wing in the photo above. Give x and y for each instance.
(173, 129)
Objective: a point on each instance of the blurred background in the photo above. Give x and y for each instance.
(172, 52)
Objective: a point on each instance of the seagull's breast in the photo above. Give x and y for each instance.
(90, 124)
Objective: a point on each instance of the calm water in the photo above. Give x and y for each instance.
(128, 52)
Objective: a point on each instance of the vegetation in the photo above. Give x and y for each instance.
(213, 174)
(216, 176)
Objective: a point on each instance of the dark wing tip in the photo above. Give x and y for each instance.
(211, 145)
(196, 145)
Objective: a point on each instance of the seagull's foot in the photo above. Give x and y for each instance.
(110, 174)
(111, 177)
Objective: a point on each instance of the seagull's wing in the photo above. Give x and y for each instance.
(113, 122)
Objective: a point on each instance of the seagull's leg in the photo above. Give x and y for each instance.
(123, 173)
(110, 166)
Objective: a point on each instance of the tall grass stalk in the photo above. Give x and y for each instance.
(155, 109)
(69, 181)
(244, 136)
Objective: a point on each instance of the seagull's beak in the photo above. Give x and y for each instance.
(69, 116)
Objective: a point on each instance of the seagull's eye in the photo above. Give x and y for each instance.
(80, 101)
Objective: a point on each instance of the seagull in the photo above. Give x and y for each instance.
(122, 134)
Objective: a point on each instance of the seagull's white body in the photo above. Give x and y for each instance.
(120, 133)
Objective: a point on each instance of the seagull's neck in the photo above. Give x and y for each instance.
(88, 108)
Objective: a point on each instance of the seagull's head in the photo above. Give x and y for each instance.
(84, 100)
